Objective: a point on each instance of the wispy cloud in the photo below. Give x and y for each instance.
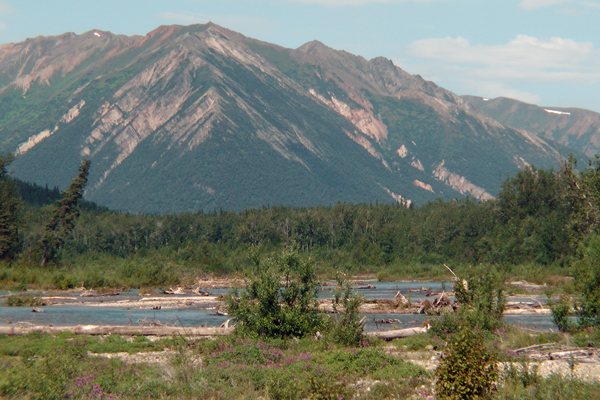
(503, 70)
(589, 4)
(524, 57)
(340, 3)
(534, 4)
(5, 9)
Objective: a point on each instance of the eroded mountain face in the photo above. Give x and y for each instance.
(199, 117)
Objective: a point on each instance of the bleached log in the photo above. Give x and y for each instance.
(566, 354)
(401, 299)
(535, 347)
(397, 333)
(203, 299)
(531, 311)
(118, 330)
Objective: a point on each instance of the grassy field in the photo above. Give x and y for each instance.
(40, 366)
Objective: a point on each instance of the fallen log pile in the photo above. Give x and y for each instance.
(555, 351)
(525, 307)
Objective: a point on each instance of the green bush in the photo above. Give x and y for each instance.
(23, 300)
(281, 297)
(467, 369)
(63, 281)
(560, 314)
(347, 327)
(482, 299)
(587, 278)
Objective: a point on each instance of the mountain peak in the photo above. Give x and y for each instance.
(382, 61)
(313, 47)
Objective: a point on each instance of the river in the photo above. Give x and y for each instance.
(77, 314)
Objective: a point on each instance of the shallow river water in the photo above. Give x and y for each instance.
(62, 315)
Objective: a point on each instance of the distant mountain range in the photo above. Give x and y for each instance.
(198, 117)
(574, 128)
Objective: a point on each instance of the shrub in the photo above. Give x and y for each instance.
(63, 281)
(560, 314)
(587, 278)
(467, 369)
(22, 300)
(280, 299)
(347, 327)
(482, 299)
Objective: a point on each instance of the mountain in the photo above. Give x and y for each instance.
(198, 117)
(574, 128)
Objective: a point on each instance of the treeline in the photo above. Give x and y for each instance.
(539, 218)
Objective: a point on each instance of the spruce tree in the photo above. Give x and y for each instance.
(66, 212)
(10, 201)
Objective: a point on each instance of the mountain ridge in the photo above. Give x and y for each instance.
(575, 128)
(201, 117)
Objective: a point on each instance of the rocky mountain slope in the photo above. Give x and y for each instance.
(574, 128)
(200, 117)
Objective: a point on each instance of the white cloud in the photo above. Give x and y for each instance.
(534, 4)
(511, 70)
(591, 5)
(523, 58)
(6, 10)
(340, 3)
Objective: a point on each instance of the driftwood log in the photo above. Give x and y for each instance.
(397, 333)
(117, 329)
(168, 330)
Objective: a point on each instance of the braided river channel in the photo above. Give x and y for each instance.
(113, 310)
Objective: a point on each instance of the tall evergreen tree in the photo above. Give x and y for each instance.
(64, 216)
(10, 201)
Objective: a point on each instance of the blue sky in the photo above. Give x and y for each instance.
(545, 52)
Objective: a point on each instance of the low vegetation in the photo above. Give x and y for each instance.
(22, 299)
(238, 367)
(39, 366)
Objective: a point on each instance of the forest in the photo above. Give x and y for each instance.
(536, 228)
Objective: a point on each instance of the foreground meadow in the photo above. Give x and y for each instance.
(39, 366)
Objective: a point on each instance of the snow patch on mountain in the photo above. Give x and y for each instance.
(557, 112)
